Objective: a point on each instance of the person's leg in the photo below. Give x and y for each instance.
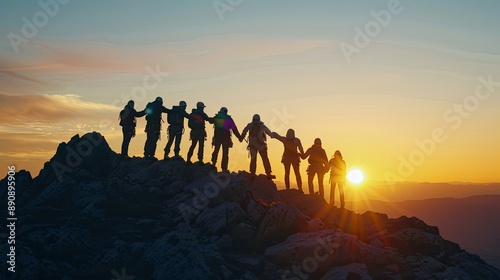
(127, 136)
(201, 148)
(178, 139)
(154, 140)
(265, 161)
(191, 150)
(296, 170)
(321, 176)
(287, 174)
(310, 178)
(215, 153)
(170, 141)
(253, 160)
(332, 192)
(341, 192)
(225, 156)
(147, 145)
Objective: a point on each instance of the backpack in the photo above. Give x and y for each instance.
(174, 116)
(127, 118)
(196, 121)
(254, 132)
(150, 109)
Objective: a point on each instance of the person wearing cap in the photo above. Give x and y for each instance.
(153, 126)
(198, 133)
(176, 128)
(318, 161)
(128, 124)
(257, 144)
(223, 126)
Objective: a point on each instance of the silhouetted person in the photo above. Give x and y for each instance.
(257, 144)
(291, 156)
(176, 128)
(198, 133)
(317, 162)
(337, 176)
(153, 126)
(223, 125)
(128, 123)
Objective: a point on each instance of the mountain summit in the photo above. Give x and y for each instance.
(91, 214)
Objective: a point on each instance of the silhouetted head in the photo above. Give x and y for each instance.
(256, 118)
(338, 154)
(183, 104)
(317, 141)
(200, 105)
(159, 100)
(130, 104)
(290, 134)
(223, 110)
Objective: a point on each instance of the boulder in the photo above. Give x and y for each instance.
(281, 220)
(220, 218)
(264, 189)
(317, 252)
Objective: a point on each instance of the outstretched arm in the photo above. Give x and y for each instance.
(245, 131)
(275, 135)
(140, 114)
(207, 118)
(267, 131)
(306, 154)
(299, 145)
(165, 110)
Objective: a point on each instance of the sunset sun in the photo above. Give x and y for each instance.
(355, 176)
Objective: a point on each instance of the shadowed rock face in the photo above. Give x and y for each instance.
(100, 216)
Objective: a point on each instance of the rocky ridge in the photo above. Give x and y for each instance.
(92, 215)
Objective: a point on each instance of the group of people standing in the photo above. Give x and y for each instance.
(224, 128)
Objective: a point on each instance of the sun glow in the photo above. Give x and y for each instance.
(355, 176)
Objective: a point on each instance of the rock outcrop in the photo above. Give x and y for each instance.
(92, 215)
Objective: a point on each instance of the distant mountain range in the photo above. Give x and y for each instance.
(470, 221)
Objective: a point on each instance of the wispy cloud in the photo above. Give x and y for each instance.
(28, 110)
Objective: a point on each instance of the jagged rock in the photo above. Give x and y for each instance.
(318, 252)
(256, 210)
(315, 224)
(349, 271)
(159, 220)
(264, 189)
(221, 218)
(182, 255)
(243, 232)
(280, 221)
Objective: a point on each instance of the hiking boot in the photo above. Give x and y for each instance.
(189, 161)
(271, 176)
(153, 158)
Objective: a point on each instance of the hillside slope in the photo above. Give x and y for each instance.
(97, 216)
